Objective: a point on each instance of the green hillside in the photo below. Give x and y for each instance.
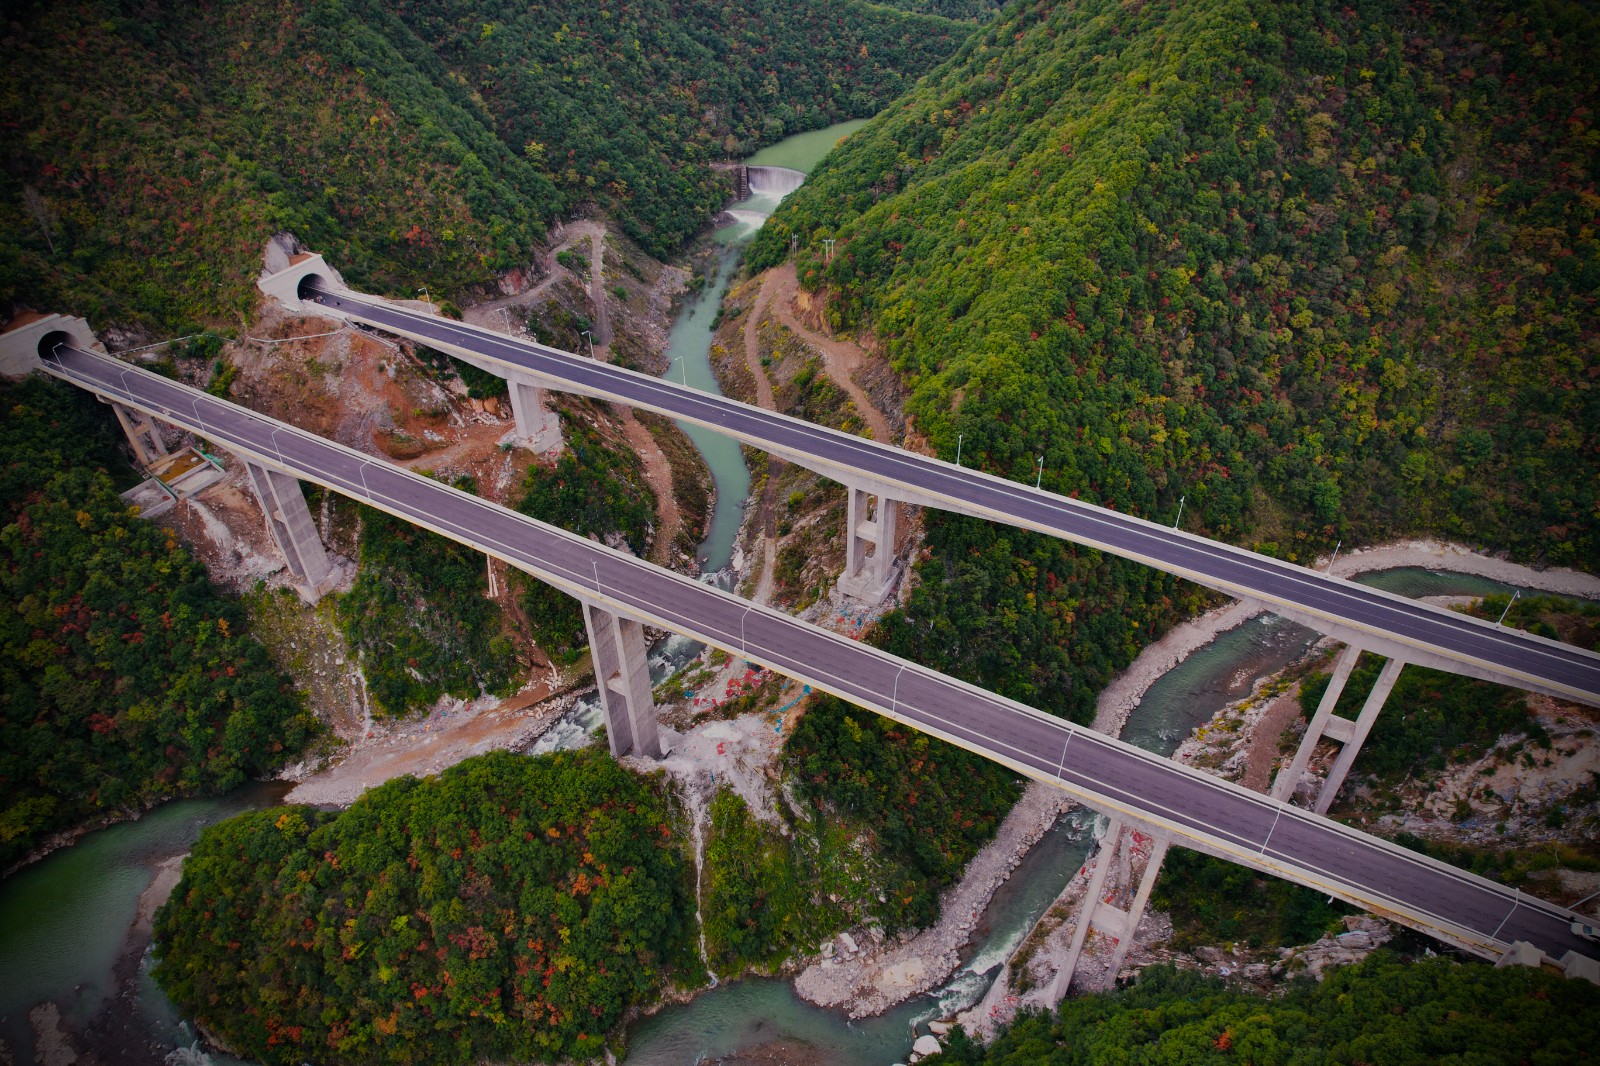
(1325, 271)
(148, 150)
(125, 677)
(1380, 1011)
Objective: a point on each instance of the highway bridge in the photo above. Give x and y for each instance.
(1125, 782)
(1403, 630)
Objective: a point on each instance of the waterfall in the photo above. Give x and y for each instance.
(696, 803)
(774, 181)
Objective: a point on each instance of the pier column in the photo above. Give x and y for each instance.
(1327, 725)
(869, 545)
(538, 428)
(1358, 734)
(622, 674)
(289, 522)
(1097, 910)
(143, 434)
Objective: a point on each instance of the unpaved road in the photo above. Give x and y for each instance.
(841, 358)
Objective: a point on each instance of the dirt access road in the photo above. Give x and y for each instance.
(841, 358)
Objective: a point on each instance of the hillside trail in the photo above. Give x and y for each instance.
(573, 232)
(841, 358)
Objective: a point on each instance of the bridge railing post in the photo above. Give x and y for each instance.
(622, 674)
(289, 522)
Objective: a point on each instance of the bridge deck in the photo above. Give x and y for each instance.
(1394, 624)
(1107, 774)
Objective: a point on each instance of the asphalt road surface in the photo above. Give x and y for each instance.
(1106, 773)
(1515, 656)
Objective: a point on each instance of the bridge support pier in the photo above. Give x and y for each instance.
(1327, 724)
(143, 434)
(869, 545)
(1117, 845)
(538, 428)
(289, 522)
(622, 674)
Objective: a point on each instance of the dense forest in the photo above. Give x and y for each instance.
(150, 149)
(125, 678)
(511, 908)
(1320, 272)
(420, 620)
(1383, 1011)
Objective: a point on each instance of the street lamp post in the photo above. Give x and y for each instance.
(1181, 501)
(1514, 597)
(427, 299)
(586, 333)
(1039, 480)
(505, 312)
(958, 448)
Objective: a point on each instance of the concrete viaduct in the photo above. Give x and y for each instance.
(277, 455)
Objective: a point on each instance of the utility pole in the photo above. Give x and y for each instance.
(1514, 597)
(586, 333)
(958, 448)
(1181, 501)
(827, 243)
(505, 312)
(1336, 548)
(1040, 479)
(428, 299)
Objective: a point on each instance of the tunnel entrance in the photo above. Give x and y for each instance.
(311, 286)
(54, 339)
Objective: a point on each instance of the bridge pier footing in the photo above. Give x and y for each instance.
(1326, 724)
(622, 674)
(538, 428)
(1117, 845)
(289, 522)
(869, 545)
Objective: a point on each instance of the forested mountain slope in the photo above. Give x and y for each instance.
(148, 150)
(1328, 271)
(125, 677)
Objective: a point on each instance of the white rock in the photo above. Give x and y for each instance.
(926, 1045)
(938, 1028)
(849, 943)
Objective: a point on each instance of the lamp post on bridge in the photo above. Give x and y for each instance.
(505, 312)
(427, 299)
(1515, 596)
(1039, 480)
(1181, 501)
(590, 335)
(958, 448)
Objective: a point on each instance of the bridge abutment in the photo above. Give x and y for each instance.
(1097, 911)
(289, 522)
(1325, 724)
(869, 545)
(622, 674)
